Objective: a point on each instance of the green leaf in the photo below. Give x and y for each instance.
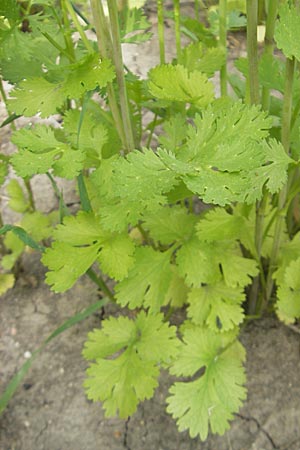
(196, 264)
(287, 32)
(218, 225)
(10, 10)
(117, 256)
(120, 383)
(7, 281)
(92, 137)
(135, 187)
(17, 200)
(80, 241)
(288, 293)
(37, 225)
(22, 235)
(211, 400)
(148, 281)
(36, 95)
(206, 60)
(134, 26)
(67, 264)
(88, 73)
(217, 306)
(226, 158)
(175, 83)
(40, 151)
(170, 224)
(175, 133)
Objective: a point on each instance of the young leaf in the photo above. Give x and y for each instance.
(134, 26)
(88, 73)
(7, 281)
(175, 83)
(17, 200)
(147, 282)
(170, 224)
(287, 32)
(218, 306)
(36, 95)
(196, 263)
(211, 400)
(40, 151)
(80, 241)
(130, 377)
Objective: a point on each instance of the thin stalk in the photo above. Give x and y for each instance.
(98, 280)
(161, 31)
(223, 44)
(105, 49)
(269, 45)
(253, 86)
(62, 50)
(283, 195)
(30, 194)
(119, 67)
(177, 28)
(78, 26)
(151, 129)
(197, 9)
(252, 51)
(67, 32)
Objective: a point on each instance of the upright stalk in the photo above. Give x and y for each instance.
(223, 44)
(78, 26)
(105, 49)
(269, 45)
(161, 31)
(177, 28)
(197, 9)
(252, 9)
(253, 86)
(119, 66)
(285, 139)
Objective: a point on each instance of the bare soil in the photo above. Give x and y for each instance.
(50, 410)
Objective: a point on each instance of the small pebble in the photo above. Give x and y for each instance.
(17, 344)
(27, 354)
(61, 370)
(27, 424)
(13, 331)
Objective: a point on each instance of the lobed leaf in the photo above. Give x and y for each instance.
(210, 401)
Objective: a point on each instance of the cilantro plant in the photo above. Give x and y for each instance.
(205, 219)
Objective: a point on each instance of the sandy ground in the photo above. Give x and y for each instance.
(50, 410)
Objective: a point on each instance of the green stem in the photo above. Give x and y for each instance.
(151, 129)
(67, 33)
(269, 45)
(30, 194)
(105, 49)
(223, 44)
(161, 31)
(252, 51)
(119, 67)
(78, 26)
(197, 9)
(285, 139)
(177, 28)
(98, 280)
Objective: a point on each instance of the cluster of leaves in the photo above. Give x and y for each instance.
(137, 224)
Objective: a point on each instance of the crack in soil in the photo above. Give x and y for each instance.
(260, 428)
(125, 443)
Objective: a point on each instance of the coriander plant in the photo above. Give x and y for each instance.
(206, 221)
